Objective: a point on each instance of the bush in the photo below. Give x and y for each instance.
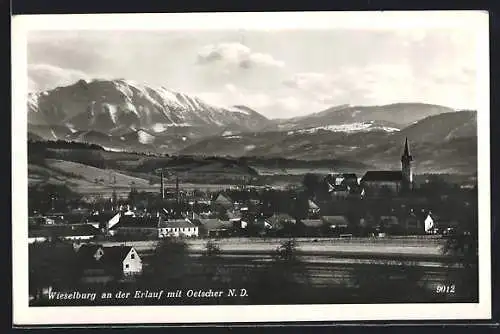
(388, 282)
(169, 265)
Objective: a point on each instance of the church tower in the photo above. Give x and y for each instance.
(406, 160)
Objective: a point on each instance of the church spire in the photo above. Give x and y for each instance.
(406, 152)
(406, 169)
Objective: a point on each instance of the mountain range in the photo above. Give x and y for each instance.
(125, 115)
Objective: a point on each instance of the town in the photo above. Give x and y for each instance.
(114, 238)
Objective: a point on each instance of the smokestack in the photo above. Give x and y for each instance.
(177, 195)
(162, 186)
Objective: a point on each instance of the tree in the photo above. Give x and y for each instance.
(388, 282)
(286, 276)
(311, 183)
(210, 261)
(51, 264)
(462, 246)
(170, 264)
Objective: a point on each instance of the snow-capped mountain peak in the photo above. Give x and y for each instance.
(103, 105)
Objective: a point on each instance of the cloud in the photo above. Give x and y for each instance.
(376, 84)
(232, 95)
(43, 76)
(309, 81)
(236, 54)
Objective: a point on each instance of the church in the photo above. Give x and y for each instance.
(375, 183)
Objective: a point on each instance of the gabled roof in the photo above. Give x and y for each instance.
(343, 175)
(383, 175)
(224, 198)
(115, 254)
(112, 257)
(131, 221)
(176, 223)
(101, 217)
(79, 230)
(87, 250)
(312, 205)
(335, 188)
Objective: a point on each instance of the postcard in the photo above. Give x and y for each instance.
(250, 167)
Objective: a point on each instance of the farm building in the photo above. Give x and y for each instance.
(223, 201)
(65, 232)
(104, 220)
(312, 227)
(336, 225)
(177, 228)
(313, 208)
(128, 225)
(214, 227)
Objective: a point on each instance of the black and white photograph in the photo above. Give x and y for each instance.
(251, 167)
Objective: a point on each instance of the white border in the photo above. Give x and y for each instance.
(25, 315)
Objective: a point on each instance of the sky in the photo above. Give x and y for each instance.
(279, 73)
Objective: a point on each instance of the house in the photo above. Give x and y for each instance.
(104, 264)
(339, 179)
(65, 232)
(336, 225)
(413, 224)
(388, 221)
(74, 218)
(177, 228)
(214, 227)
(312, 227)
(104, 220)
(335, 221)
(339, 191)
(281, 219)
(223, 200)
(429, 225)
(313, 208)
(137, 226)
(264, 224)
(380, 183)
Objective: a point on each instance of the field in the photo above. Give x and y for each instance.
(355, 247)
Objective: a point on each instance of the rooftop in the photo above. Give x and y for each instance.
(144, 222)
(63, 231)
(112, 256)
(176, 223)
(383, 175)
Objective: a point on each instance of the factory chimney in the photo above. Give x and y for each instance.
(162, 186)
(177, 196)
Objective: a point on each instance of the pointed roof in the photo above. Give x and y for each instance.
(406, 152)
(312, 205)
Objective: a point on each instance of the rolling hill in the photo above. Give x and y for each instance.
(443, 142)
(396, 115)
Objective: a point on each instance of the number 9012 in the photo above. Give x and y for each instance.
(444, 288)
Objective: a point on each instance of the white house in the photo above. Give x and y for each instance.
(177, 228)
(429, 224)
